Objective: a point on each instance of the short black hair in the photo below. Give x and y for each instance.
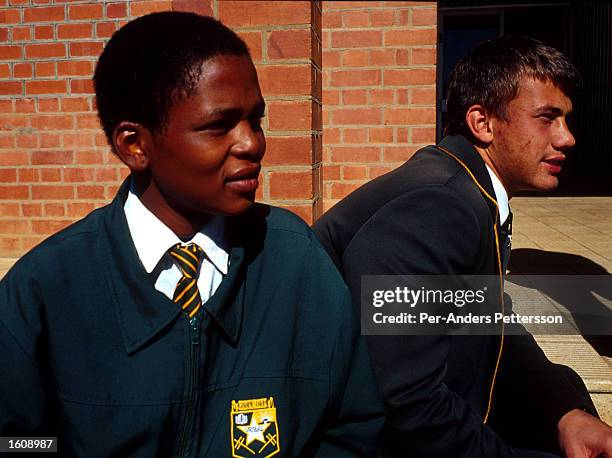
(490, 76)
(155, 61)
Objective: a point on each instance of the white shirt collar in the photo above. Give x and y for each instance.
(500, 195)
(152, 238)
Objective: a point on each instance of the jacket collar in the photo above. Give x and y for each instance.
(142, 311)
(465, 151)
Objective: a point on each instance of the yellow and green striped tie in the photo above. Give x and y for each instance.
(186, 294)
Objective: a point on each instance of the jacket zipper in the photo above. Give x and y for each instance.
(194, 333)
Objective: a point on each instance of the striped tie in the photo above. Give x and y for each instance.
(186, 293)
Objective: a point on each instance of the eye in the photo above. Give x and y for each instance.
(219, 127)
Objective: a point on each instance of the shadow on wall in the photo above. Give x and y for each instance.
(584, 300)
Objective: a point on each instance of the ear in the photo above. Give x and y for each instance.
(130, 141)
(479, 123)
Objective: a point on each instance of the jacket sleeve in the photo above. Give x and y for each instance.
(355, 414)
(429, 231)
(24, 410)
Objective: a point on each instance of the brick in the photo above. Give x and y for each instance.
(79, 209)
(410, 37)
(52, 157)
(195, 6)
(285, 80)
(13, 226)
(45, 87)
(77, 30)
(14, 122)
(87, 121)
(288, 150)
(48, 105)
(355, 58)
(376, 171)
(331, 58)
(27, 141)
(23, 70)
(397, 153)
(75, 104)
(354, 172)
(75, 68)
(358, 116)
(381, 134)
(424, 16)
(51, 175)
(6, 106)
(44, 14)
(289, 44)
(332, 20)
(73, 175)
(28, 175)
(382, 18)
(356, 39)
(345, 5)
(253, 41)
(54, 210)
(355, 97)
(424, 56)
(5, 71)
(49, 226)
(27, 243)
(23, 105)
(331, 172)
(81, 86)
(8, 175)
(105, 174)
(116, 10)
(355, 153)
(49, 140)
(9, 209)
(90, 192)
(331, 97)
(141, 8)
(11, 52)
(4, 34)
(52, 192)
(10, 16)
(255, 13)
(355, 78)
(409, 76)
(38, 51)
(86, 48)
(423, 96)
(287, 116)
(22, 33)
(331, 135)
(423, 135)
(13, 158)
(290, 185)
(105, 29)
(382, 57)
(44, 32)
(403, 96)
(89, 157)
(381, 96)
(356, 18)
(341, 190)
(87, 11)
(42, 69)
(10, 87)
(7, 141)
(14, 192)
(31, 209)
(359, 135)
(409, 116)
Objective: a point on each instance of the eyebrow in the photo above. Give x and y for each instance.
(258, 109)
(549, 109)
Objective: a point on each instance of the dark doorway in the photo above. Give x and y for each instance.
(579, 29)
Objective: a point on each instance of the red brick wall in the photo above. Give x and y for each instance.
(379, 89)
(55, 165)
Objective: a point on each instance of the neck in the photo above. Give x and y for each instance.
(485, 154)
(183, 222)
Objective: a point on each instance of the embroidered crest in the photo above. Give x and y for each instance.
(254, 428)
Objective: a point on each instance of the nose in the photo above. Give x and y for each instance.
(249, 140)
(564, 139)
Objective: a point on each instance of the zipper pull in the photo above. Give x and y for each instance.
(194, 329)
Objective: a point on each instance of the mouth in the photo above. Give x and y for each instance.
(554, 164)
(245, 179)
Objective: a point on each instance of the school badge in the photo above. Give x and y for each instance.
(254, 428)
